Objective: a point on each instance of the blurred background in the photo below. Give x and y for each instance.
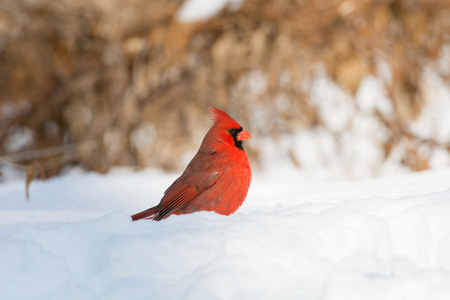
(356, 87)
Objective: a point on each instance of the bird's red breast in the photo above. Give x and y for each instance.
(217, 178)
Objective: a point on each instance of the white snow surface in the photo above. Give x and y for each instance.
(293, 238)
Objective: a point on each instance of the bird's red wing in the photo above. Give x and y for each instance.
(183, 190)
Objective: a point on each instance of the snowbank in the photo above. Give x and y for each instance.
(294, 238)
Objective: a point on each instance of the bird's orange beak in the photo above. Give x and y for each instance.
(243, 135)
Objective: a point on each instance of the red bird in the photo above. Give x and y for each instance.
(217, 178)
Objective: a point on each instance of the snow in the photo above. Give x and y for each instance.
(351, 142)
(433, 122)
(294, 238)
(200, 10)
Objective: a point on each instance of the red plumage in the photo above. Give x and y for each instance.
(217, 178)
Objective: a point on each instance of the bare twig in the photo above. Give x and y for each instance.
(14, 158)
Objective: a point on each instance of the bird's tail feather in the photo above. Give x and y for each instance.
(146, 214)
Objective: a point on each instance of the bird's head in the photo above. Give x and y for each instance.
(226, 130)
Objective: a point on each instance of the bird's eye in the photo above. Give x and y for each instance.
(234, 131)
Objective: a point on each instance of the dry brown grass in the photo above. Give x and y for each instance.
(126, 77)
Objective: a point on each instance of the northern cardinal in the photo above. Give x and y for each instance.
(217, 178)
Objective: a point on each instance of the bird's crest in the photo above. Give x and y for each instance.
(222, 117)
